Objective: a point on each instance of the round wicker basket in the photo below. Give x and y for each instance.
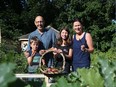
(56, 70)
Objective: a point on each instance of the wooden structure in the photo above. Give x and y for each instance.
(21, 76)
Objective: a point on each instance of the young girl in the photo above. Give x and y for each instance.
(33, 55)
(64, 45)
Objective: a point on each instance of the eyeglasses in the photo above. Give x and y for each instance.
(39, 21)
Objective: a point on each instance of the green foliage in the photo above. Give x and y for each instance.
(13, 62)
(9, 24)
(91, 77)
(21, 63)
(101, 74)
(7, 77)
(96, 16)
(86, 78)
(9, 54)
(108, 72)
(6, 74)
(62, 82)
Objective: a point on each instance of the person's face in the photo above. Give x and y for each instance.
(34, 46)
(39, 23)
(64, 34)
(77, 27)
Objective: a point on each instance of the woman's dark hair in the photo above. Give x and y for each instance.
(77, 19)
(68, 39)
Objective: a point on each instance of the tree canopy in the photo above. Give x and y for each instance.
(17, 16)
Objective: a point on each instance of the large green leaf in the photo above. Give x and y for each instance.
(60, 83)
(108, 69)
(91, 77)
(6, 74)
(73, 77)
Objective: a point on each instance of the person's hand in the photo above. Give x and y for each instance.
(60, 51)
(41, 52)
(55, 51)
(83, 48)
(33, 53)
(26, 54)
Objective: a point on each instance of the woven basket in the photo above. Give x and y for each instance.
(44, 70)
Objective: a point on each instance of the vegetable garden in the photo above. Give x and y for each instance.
(16, 19)
(101, 74)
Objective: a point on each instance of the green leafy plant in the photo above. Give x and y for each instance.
(102, 73)
(108, 69)
(91, 77)
(6, 74)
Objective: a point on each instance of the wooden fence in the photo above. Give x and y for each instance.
(21, 76)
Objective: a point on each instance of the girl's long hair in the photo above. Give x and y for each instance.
(68, 39)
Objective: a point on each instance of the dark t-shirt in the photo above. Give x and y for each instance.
(65, 50)
(68, 61)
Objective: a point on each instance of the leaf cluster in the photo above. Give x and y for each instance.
(102, 73)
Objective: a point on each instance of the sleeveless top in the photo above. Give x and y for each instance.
(80, 57)
(35, 63)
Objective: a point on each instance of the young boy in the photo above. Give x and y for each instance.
(33, 55)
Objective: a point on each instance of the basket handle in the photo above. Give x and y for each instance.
(63, 66)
